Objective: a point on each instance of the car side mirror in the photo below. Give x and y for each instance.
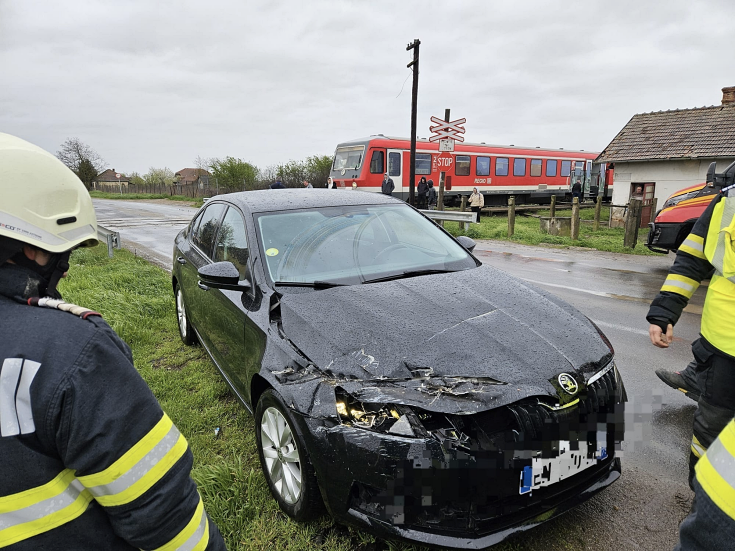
(222, 275)
(467, 243)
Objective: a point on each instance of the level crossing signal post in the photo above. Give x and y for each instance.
(446, 132)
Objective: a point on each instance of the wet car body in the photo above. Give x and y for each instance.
(431, 408)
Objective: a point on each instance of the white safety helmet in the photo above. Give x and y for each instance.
(42, 202)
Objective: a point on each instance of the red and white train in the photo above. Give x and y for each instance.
(532, 175)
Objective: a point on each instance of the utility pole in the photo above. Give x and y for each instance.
(414, 98)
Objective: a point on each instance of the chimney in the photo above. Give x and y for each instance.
(728, 95)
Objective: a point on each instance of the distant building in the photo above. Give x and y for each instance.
(658, 153)
(188, 176)
(107, 178)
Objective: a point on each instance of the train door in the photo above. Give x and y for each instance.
(395, 171)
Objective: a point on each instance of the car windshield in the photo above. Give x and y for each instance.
(348, 157)
(355, 244)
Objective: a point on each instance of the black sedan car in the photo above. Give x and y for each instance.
(393, 378)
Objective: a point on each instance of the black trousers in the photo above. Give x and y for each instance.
(715, 373)
(478, 210)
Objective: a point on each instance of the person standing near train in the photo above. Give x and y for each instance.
(477, 201)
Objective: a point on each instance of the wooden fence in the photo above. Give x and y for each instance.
(187, 190)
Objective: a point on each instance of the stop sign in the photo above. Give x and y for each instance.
(442, 162)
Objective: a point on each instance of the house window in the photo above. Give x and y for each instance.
(519, 167)
(463, 165)
(536, 167)
(501, 166)
(482, 167)
(551, 168)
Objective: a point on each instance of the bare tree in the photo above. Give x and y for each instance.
(84, 161)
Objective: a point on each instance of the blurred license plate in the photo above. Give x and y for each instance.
(545, 471)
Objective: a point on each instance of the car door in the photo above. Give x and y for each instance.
(235, 343)
(200, 242)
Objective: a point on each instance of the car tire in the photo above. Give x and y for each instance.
(182, 318)
(283, 465)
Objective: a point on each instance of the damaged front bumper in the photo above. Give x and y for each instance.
(462, 488)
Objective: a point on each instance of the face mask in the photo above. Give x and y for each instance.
(51, 273)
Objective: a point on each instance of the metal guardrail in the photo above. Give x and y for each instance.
(451, 216)
(112, 238)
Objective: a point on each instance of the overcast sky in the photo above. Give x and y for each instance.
(153, 84)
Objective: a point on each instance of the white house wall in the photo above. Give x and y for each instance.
(669, 176)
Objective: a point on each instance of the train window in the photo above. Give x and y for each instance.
(519, 167)
(423, 163)
(536, 167)
(566, 167)
(377, 162)
(551, 168)
(394, 163)
(501, 166)
(348, 158)
(462, 167)
(482, 167)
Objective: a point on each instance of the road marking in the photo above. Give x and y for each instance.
(620, 327)
(596, 293)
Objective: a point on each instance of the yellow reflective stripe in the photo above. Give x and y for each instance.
(194, 536)
(42, 509)
(131, 457)
(718, 463)
(35, 495)
(694, 245)
(680, 285)
(133, 460)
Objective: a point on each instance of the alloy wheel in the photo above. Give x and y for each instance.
(281, 455)
(181, 313)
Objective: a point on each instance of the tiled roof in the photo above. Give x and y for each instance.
(109, 176)
(191, 174)
(704, 132)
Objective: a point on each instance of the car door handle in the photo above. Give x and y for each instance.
(181, 260)
(202, 286)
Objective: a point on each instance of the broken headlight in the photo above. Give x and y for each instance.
(396, 419)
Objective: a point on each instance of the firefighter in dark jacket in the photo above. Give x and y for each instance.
(89, 459)
(710, 245)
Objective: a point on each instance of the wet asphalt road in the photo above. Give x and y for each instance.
(640, 511)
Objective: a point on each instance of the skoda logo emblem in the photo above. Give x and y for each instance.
(568, 383)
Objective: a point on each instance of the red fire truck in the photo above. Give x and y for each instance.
(680, 211)
(532, 175)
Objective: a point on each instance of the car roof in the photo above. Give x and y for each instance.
(269, 200)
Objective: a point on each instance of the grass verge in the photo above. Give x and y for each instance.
(527, 232)
(136, 299)
(195, 201)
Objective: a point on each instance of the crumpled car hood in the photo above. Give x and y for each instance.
(481, 324)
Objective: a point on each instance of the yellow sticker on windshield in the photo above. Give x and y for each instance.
(272, 252)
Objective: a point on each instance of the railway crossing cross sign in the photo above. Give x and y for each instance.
(444, 130)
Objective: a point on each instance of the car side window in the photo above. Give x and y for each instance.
(232, 242)
(206, 227)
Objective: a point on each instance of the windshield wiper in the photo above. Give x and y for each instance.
(314, 284)
(410, 273)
